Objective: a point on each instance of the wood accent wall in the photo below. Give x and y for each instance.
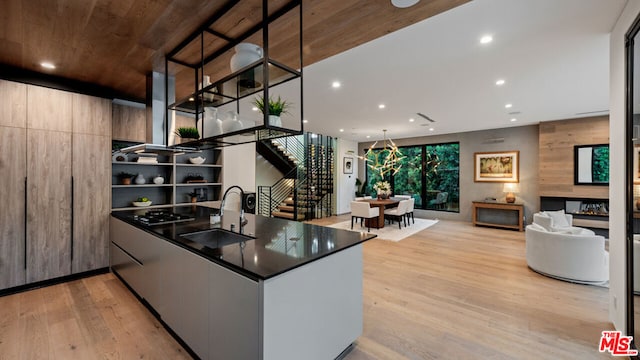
(556, 168)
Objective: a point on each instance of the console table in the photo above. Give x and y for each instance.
(500, 206)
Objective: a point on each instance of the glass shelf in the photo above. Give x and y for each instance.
(240, 84)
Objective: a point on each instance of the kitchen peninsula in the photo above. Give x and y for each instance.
(280, 290)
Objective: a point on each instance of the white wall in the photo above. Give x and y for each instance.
(266, 173)
(239, 168)
(617, 221)
(345, 184)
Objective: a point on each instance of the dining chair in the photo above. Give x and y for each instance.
(402, 197)
(398, 212)
(368, 197)
(359, 199)
(361, 210)
(409, 213)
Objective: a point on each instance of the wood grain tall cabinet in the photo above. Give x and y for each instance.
(49, 131)
(56, 161)
(91, 158)
(13, 161)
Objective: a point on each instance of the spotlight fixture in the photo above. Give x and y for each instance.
(336, 84)
(500, 82)
(381, 106)
(47, 65)
(404, 3)
(508, 106)
(486, 39)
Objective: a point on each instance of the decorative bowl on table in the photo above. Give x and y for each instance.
(141, 203)
(197, 160)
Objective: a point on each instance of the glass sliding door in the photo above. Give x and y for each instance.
(442, 177)
(429, 173)
(408, 180)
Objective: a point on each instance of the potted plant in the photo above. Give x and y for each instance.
(383, 189)
(125, 177)
(193, 196)
(276, 108)
(187, 134)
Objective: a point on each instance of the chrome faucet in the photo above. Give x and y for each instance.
(224, 199)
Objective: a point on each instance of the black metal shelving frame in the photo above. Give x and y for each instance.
(273, 73)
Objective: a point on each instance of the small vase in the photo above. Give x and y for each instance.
(126, 181)
(140, 179)
(246, 53)
(158, 180)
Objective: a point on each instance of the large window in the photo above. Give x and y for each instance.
(429, 173)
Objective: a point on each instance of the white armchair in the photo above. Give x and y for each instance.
(398, 212)
(361, 210)
(575, 257)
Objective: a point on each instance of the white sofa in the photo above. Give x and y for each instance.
(570, 253)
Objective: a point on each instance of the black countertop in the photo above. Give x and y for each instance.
(274, 245)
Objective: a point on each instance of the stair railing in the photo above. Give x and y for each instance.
(269, 197)
(293, 146)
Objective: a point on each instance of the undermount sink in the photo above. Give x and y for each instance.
(216, 238)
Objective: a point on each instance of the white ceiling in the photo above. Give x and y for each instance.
(553, 55)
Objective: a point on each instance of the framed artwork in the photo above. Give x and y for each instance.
(496, 166)
(636, 164)
(347, 165)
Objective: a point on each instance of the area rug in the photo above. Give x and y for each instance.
(389, 231)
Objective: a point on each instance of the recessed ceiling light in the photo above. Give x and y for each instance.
(368, 136)
(486, 39)
(47, 65)
(412, 120)
(404, 3)
(381, 106)
(336, 84)
(514, 119)
(431, 129)
(341, 130)
(508, 106)
(191, 99)
(500, 82)
(305, 121)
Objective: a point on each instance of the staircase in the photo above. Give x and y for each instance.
(304, 192)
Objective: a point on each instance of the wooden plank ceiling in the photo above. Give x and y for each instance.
(115, 43)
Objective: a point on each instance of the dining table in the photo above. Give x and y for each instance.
(381, 204)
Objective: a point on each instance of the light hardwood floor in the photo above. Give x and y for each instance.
(452, 291)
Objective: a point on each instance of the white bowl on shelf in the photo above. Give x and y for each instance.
(141, 203)
(197, 160)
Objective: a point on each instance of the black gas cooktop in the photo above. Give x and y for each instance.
(160, 216)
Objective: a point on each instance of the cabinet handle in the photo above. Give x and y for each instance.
(72, 199)
(25, 222)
